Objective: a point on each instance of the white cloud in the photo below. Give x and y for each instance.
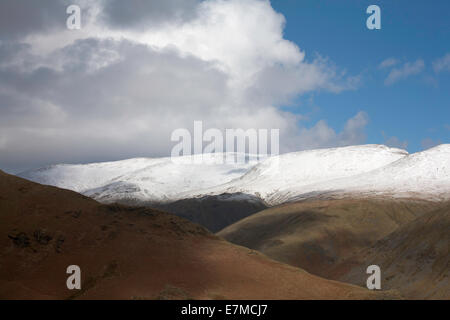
(387, 63)
(408, 69)
(321, 135)
(105, 93)
(442, 64)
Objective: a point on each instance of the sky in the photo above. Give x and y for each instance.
(138, 70)
(410, 109)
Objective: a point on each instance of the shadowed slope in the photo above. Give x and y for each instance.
(215, 212)
(414, 259)
(317, 235)
(127, 253)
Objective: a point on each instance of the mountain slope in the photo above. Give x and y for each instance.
(415, 258)
(317, 235)
(132, 253)
(214, 212)
(142, 179)
(339, 172)
(164, 180)
(273, 178)
(424, 174)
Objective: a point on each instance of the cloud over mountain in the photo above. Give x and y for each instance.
(135, 72)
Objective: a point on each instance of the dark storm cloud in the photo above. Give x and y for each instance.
(147, 13)
(19, 18)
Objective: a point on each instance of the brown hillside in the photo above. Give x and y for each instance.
(317, 235)
(415, 259)
(132, 253)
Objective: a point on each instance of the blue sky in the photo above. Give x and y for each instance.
(414, 108)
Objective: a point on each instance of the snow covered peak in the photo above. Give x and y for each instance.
(366, 169)
(316, 165)
(82, 177)
(297, 169)
(424, 174)
(142, 179)
(168, 180)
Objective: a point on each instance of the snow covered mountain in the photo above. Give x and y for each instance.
(367, 169)
(274, 178)
(141, 179)
(424, 174)
(83, 177)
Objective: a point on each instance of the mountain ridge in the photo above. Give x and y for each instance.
(162, 180)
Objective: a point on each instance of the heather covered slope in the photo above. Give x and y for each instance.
(317, 235)
(127, 253)
(415, 259)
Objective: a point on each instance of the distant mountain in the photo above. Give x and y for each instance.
(347, 172)
(141, 179)
(423, 175)
(278, 179)
(133, 253)
(160, 183)
(165, 180)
